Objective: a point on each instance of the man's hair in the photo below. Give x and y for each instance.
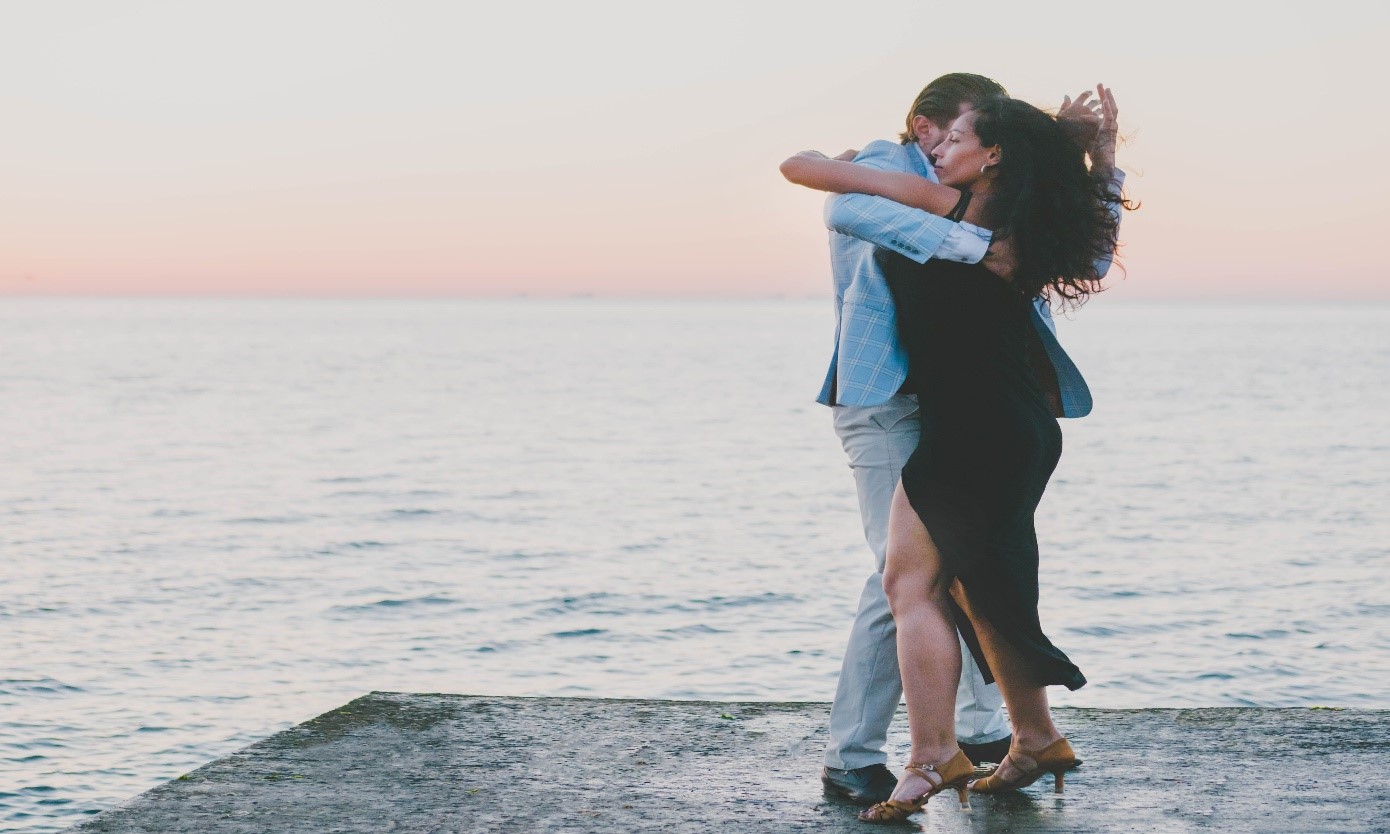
(940, 100)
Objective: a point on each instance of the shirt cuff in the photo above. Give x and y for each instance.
(966, 243)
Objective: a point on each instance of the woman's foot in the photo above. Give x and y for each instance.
(915, 782)
(1023, 767)
(920, 782)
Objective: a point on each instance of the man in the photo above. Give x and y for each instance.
(879, 426)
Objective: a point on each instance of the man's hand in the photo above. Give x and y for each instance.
(847, 156)
(1081, 119)
(1001, 259)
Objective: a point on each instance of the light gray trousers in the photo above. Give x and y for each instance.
(878, 440)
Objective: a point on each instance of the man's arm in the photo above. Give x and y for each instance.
(1117, 184)
(1102, 120)
(915, 234)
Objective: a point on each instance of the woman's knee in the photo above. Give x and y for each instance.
(909, 579)
(894, 588)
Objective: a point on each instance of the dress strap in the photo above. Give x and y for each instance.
(958, 213)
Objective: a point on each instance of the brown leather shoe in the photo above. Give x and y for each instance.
(990, 751)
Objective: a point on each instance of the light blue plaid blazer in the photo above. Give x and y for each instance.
(868, 365)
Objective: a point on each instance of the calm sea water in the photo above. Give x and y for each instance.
(224, 517)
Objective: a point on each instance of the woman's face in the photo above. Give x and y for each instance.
(959, 157)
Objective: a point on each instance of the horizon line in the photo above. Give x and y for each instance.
(599, 296)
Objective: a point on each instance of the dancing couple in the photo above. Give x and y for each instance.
(948, 250)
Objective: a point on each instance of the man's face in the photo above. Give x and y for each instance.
(930, 133)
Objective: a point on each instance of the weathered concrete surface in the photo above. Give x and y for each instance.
(452, 763)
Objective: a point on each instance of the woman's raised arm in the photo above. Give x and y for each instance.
(813, 170)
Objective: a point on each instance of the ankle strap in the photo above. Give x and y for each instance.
(956, 762)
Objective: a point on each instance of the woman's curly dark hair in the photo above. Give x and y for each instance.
(1044, 200)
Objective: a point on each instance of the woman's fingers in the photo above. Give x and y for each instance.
(1110, 111)
(1078, 108)
(1107, 99)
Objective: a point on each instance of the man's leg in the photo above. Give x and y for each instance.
(878, 441)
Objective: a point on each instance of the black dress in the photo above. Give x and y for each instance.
(989, 444)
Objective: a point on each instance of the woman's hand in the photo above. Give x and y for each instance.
(1102, 150)
(1080, 118)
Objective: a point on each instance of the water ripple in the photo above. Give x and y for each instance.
(37, 687)
(237, 515)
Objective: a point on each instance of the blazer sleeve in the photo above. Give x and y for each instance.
(1117, 184)
(915, 234)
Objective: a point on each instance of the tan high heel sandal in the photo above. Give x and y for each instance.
(1056, 758)
(955, 773)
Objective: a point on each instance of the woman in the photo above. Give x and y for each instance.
(962, 552)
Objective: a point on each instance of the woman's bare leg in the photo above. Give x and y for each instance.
(918, 591)
(1029, 713)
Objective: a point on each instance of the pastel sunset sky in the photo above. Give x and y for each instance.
(336, 147)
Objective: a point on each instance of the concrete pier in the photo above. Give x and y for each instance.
(390, 762)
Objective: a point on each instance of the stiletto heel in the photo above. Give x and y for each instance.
(1055, 758)
(954, 773)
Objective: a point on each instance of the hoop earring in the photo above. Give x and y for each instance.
(983, 167)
